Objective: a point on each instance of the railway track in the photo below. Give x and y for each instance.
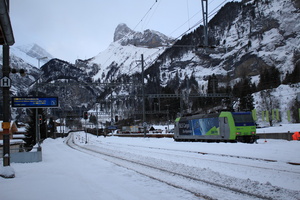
(161, 150)
(203, 183)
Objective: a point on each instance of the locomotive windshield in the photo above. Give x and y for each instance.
(243, 119)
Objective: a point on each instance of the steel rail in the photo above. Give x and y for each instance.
(128, 162)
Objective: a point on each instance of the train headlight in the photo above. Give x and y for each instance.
(253, 132)
(238, 133)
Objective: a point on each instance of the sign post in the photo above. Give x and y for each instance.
(35, 102)
(5, 82)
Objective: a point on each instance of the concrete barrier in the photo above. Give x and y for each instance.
(26, 157)
(282, 136)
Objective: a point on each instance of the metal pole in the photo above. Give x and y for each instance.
(111, 104)
(85, 132)
(37, 124)
(111, 109)
(143, 91)
(37, 114)
(205, 17)
(6, 109)
(6, 104)
(97, 118)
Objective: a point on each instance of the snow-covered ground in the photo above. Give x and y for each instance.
(282, 128)
(66, 173)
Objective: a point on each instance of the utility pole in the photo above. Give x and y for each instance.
(143, 91)
(181, 103)
(205, 17)
(111, 106)
(97, 119)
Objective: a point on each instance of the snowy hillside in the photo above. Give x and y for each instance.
(282, 98)
(124, 54)
(249, 38)
(148, 38)
(26, 57)
(124, 58)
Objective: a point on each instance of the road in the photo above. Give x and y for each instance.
(206, 175)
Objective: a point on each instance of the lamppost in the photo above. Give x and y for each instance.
(37, 124)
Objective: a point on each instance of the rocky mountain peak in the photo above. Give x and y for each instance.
(121, 31)
(147, 38)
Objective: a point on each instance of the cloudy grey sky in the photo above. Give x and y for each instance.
(72, 29)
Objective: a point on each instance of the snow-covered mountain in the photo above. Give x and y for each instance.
(148, 38)
(118, 59)
(249, 37)
(26, 57)
(122, 55)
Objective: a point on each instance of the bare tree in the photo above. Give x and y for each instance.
(269, 103)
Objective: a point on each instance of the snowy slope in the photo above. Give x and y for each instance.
(272, 35)
(123, 56)
(282, 98)
(249, 38)
(127, 58)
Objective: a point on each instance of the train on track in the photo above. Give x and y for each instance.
(216, 127)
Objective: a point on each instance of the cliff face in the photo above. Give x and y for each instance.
(245, 38)
(248, 37)
(148, 38)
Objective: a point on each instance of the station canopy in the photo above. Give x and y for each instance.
(6, 32)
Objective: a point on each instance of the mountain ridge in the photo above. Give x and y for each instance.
(250, 37)
(148, 38)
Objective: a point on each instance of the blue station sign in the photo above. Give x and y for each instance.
(34, 102)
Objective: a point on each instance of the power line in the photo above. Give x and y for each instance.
(145, 14)
(188, 11)
(153, 13)
(214, 11)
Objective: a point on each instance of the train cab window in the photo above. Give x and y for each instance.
(242, 119)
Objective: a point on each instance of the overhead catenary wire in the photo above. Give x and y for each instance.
(188, 21)
(200, 21)
(212, 13)
(154, 11)
(188, 12)
(129, 34)
(145, 15)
